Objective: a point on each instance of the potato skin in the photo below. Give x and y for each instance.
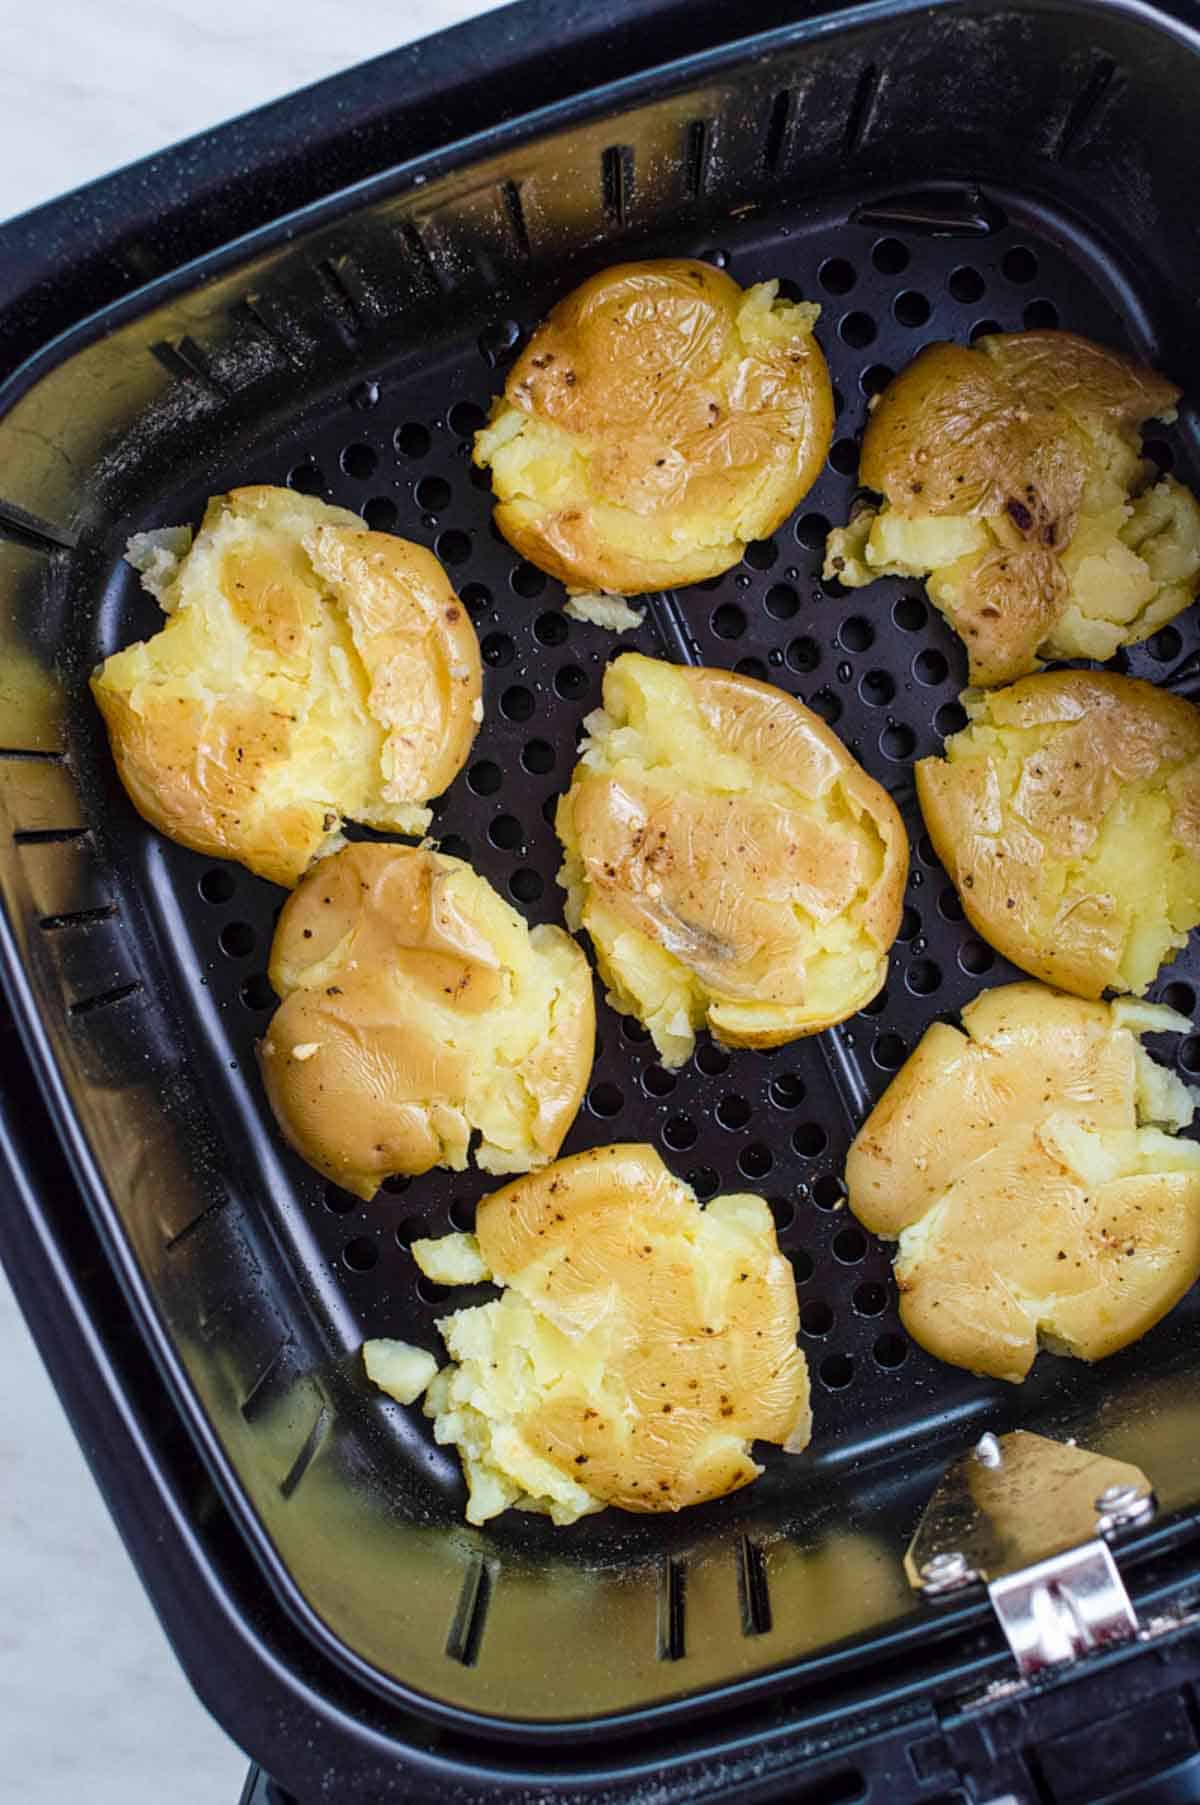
(278, 587)
(1029, 1201)
(375, 948)
(1030, 433)
(1025, 841)
(684, 420)
(710, 877)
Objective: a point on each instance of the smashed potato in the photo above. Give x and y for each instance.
(1068, 815)
(733, 865)
(1012, 480)
(1029, 1170)
(639, 1347)
(309, 671)
(658, 419)
(419, 1008)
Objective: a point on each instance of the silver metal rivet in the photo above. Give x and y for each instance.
(946, 1572)
(1123, 1507)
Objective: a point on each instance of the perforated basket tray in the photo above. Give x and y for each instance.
(353, 359)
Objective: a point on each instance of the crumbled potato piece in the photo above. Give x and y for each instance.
(1011, 478)
(309, 671)
(607, 611)
(733, 865)
(658, 419)
(451, 1259)
(1029, 1171)
(640, 1346)
(435, 1012)
(398, 1368)
(1068, 814)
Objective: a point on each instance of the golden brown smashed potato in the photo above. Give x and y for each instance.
(1012, 479)
(1030, 1171)
(658, 419)
(418, 1008)
(640, 1346)
(1068, 815)
(309, 671)
(733, 865)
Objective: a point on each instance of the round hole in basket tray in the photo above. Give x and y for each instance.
(810, 1140)
(816, 1317)
(837, 1371)
(1020, 264)
(412, 439)
(870, 1299)
(657, 1081)
(733, 1111)
(889, 256)
(755, 1161)
(361, 1254)
(890, 1351)
(217, 885)
(812, 530)
(359, 461)
(966, 284)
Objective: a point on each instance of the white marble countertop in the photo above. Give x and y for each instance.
(92, 1703)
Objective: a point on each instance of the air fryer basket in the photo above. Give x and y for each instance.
(924, 174)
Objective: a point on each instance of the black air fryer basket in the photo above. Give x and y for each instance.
(327, 294)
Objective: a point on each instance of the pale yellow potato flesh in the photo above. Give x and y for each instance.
(1011, 480)
(309, 672)
(658, 419)
(419, 1008)
(733, 865)
(639, 1348)
(1068, 815)
(1028, 1168)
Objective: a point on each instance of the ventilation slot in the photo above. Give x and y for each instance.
(339, 297)
(671, 623)
(104, 999)
(847, 1079)
(672, 1644)
(470, 1613)
(183, 359)
(753, 1594)
(862, 109)
(196, 1223)
(307, 1454)
(696, 142)
(419, 255)
(45, 836)
(31, 530)
(616, 179)
(78, 918)
(280, 340)
(264, 1384)
(514, 213)
(779, 124)
(1084, 110)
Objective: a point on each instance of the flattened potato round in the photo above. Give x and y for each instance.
(640, 1346)
(658, 419)
(1030, 1173)
(733, 865)
(1012, 480)
(309, 671)
(418, 1007)
(1068, 815)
